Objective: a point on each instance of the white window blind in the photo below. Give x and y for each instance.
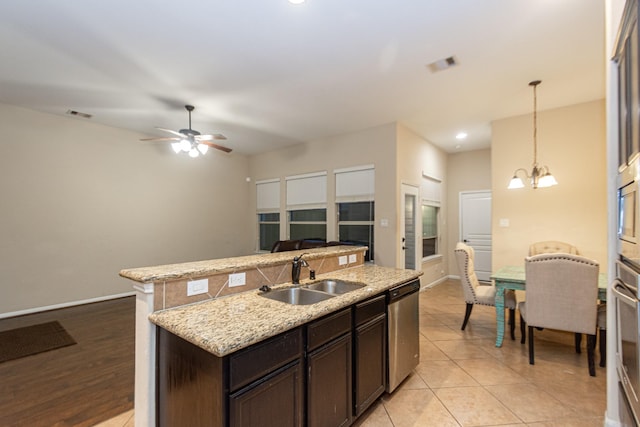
(307, 191)
(355, 184)
(268, 194)
(431, 190)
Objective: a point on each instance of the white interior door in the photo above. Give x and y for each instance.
(475, 229)
(408, 227)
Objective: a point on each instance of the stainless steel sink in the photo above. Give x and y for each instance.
(296, 296)
(332, 286)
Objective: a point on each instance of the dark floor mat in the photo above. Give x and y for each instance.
(21, 342)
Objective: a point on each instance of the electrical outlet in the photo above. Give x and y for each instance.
(342, 260)
(352, 258)
(237, 279)
(197, 287)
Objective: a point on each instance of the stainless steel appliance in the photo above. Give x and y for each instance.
(403, 332)
(629, 213)
(627, 302)
(626, 57)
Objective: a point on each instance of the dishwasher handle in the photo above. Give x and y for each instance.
(402, 291)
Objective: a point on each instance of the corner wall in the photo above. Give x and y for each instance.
(82, 201)
(416, 157)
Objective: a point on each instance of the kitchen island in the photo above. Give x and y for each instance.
(162, 297)
(245, 358)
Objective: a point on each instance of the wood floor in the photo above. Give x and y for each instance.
(79, 385)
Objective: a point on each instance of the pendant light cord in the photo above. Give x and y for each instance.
(535, 84)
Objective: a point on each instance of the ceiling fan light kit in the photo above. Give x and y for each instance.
(191, 141)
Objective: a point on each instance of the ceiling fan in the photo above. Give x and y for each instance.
(191, 141)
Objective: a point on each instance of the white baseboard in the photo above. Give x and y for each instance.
(437, 282)
(63, 305)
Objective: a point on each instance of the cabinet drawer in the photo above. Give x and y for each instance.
(370, 308)
(258, 360)
(328, 328)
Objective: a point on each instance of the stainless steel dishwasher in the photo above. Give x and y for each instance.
(403, 332)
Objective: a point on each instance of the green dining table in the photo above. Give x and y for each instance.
(513, 277)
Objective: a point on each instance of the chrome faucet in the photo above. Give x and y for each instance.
(296, 266)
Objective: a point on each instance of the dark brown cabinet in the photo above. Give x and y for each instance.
(262, 382)
(322, 374)
(626, 57)
(275, 401)
(272, 394)
(370, 338)
(329, 367)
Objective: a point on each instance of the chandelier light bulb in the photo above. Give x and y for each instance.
(515, 183)
(186, 145)
(203, 148)
(193, 153)
(177, 146)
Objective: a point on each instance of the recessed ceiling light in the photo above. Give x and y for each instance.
(443, 64)
(296, 1)
(461, 135)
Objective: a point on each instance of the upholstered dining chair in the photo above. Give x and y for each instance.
(562, 294)
(477, 293)
(552, 247)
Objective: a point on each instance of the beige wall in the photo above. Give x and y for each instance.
(81, 201)
(466, 171)
(571, 141)
(399, 156)
(371, 146)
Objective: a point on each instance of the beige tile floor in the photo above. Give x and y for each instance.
(464, 380)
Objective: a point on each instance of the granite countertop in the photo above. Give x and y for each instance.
(188, 270)
(225, 325)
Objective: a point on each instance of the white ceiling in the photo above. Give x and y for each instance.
(268, 74)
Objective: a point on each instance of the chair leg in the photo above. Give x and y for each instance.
(578, 340)
(603, 347)
(467, 314)
(512, 322)
(591, 347)
(531, 361)
(523, 330)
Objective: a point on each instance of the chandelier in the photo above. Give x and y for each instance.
(540, 175)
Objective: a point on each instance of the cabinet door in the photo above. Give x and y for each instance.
(275, 401)
(329, 384)
(370, 362)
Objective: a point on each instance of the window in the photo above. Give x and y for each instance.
(355, 191)
(308, 224)
(268, 211)
(430, 195)
(268, 230)
(355, 225)
(307, 206)
(429, 230)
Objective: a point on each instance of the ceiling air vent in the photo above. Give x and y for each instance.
(79, 114)
(443, 64)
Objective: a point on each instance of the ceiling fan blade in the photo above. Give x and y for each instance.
(216, 146)
(169, 138)
(217, 136)
(181, 135)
